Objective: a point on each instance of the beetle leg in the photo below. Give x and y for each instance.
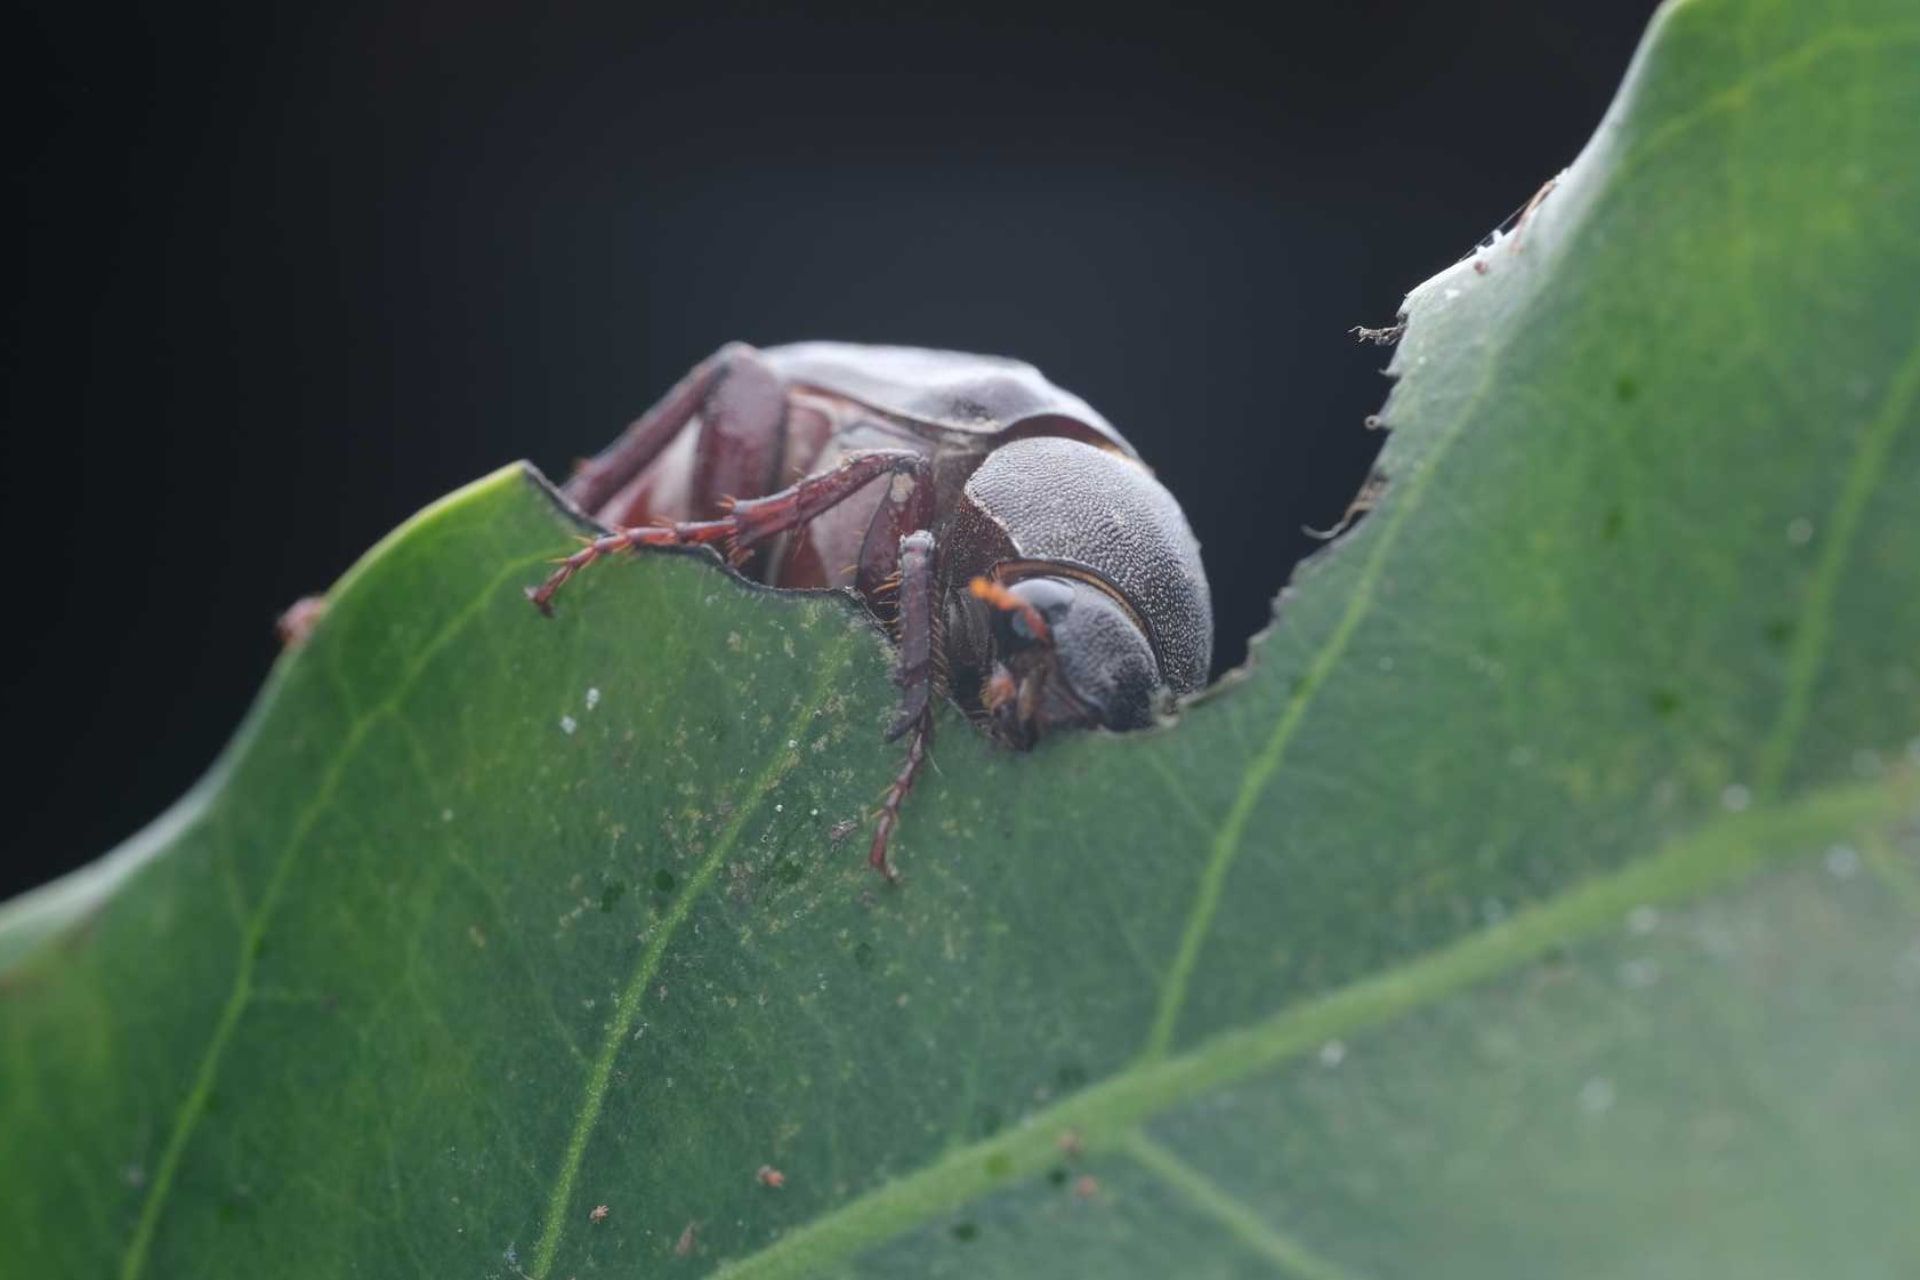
(906, 509)
(596, 480)
(917, 747)
(743, 428)
(749, 521)
(918, 652)
(917, 673)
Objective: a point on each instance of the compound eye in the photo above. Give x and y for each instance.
(1024, 615)
(1048, 601)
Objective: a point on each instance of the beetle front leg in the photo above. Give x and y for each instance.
(917, 748)
(747, 523)
(917, 655)
(917, 667)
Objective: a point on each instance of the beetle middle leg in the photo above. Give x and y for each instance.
(749, 521)
(918, 667)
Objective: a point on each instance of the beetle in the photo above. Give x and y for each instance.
(1026, 562)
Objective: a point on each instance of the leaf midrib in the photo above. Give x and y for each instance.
(1806, 660)
(1104, 1115)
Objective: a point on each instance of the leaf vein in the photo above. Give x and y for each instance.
(1722, 851)
(193, 1106)
(1810, 639)
(600, 1075)
(1241, 1222)
(1232, 830)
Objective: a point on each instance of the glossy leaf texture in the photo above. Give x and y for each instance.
(1543, 899)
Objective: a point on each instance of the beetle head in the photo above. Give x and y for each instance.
(1064, 651)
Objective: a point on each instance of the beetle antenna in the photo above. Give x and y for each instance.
(1363, 502)
(1510, 226)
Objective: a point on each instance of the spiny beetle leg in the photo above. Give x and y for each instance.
(916, 671)
(917, 747)
(917, 656)
(750, 520)
(904, 509)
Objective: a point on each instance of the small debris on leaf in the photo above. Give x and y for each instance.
(768, 1176)
(1381, 337)
(599, 1214)
(298, 622)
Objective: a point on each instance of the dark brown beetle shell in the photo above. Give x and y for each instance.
(976, 395)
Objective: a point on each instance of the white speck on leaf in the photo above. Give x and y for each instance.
(568, 724)
(1906, 968)
(1638, 975)
(1333, 1053)
(593, 699)
(1842, 861)
(446, 815)
(1735, 798)
(1596, 1096)
(1799, 531)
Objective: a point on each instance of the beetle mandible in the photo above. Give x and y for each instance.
(1025, 560)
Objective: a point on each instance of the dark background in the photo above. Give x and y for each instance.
(277, 280)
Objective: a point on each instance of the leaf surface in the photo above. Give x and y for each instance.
(1545, 898)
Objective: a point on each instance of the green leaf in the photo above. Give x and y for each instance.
(1544, 899)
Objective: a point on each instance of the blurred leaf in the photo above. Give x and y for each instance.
(1544, 900)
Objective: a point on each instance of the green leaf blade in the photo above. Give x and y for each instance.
(1545, 892)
